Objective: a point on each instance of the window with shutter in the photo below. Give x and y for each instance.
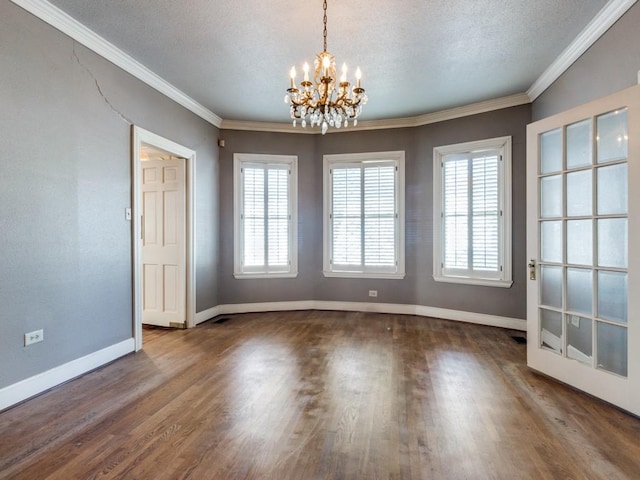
(364, 221)
(265, 219)
(472, 212)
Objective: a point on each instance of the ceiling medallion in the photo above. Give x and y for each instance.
(325, 102)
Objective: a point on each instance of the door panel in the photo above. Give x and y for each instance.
(583, 302)
(163, 243)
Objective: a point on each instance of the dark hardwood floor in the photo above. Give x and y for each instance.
(319, 395)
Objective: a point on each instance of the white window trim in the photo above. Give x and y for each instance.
(358, 158)
(240, 159)
(504, 145)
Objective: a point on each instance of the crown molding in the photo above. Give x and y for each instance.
(406, 122)
(605, 18)
(272, 127)
(58, 19)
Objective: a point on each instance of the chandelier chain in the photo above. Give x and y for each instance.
(324, 21)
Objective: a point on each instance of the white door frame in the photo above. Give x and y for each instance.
(140, 136)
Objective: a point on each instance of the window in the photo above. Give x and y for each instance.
(364, 215)
(472, 213)
(265, 216)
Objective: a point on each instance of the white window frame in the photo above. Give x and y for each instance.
(240, 160)
(357, 159)
(440, 274)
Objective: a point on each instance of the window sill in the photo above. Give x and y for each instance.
(392, 276)
(250, 276)
(486, 282)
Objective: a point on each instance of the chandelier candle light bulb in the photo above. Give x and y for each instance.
(292, 74)
(324, 101)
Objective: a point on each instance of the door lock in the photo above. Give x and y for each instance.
(532, 269)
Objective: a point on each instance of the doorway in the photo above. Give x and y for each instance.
(163, 233)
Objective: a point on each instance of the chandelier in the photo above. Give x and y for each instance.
(325, 102)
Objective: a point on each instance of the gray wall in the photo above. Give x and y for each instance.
(610, 65)
(418, 286)
(231, 290)
(65, 156)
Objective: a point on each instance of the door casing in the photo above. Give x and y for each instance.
(140, 136)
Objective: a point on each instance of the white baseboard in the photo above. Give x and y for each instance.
(29, 387)
(207, 314)
(254, 307)
(553, 341)
(393, 308)
(573, 352)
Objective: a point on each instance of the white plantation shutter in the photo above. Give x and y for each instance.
(379, 216)
(363, 217)
(253, 218)
(456, 213)
(485, 211)
(265, 218)
(346, 216)
(471, 213)
(278, 218)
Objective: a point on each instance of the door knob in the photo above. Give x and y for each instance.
(532, 269)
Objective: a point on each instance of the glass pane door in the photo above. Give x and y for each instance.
(580, 324)
(583, 243)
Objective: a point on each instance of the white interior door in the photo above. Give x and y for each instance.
(583, 214)
(163, 242)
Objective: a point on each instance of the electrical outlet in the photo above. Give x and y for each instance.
(373, 293)
(33, 337)
(575, 321)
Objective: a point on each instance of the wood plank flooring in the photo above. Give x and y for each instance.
(319, 395)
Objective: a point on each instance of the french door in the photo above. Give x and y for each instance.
(583, 242)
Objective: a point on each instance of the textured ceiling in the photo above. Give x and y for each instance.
(417, 56)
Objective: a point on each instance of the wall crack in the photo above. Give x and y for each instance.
(99, 88)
